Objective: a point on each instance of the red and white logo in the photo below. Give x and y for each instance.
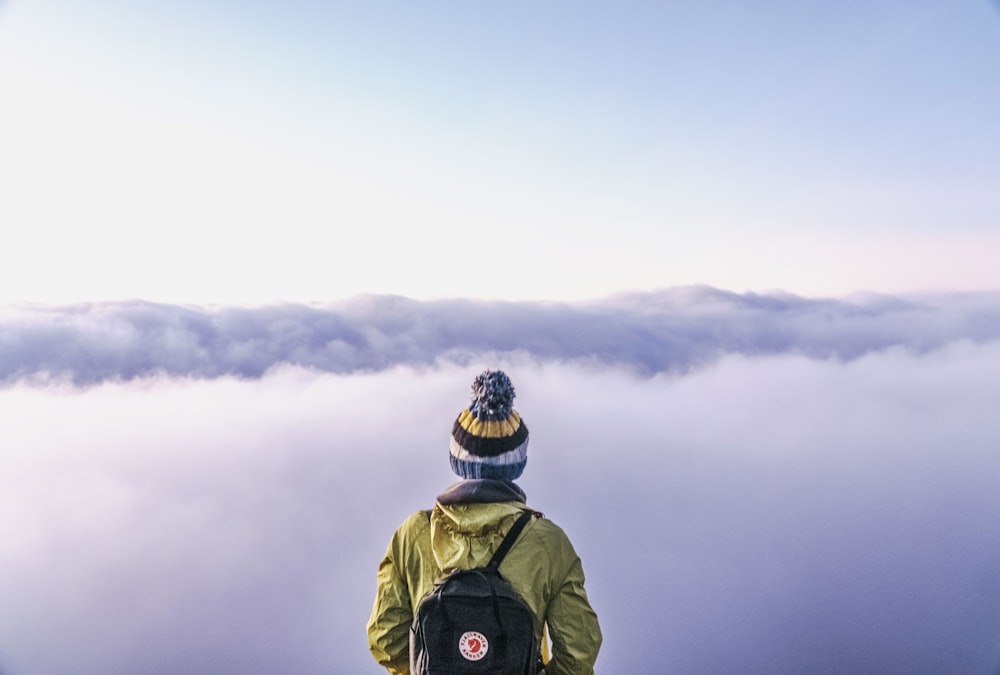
(473, 646)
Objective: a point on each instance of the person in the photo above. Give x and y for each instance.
(488, 451)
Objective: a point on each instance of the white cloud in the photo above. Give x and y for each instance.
(667, 331)
(761, 514)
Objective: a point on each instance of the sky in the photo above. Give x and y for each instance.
(740, 263)
(250, 153)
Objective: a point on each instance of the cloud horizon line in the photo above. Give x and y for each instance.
(672, 330)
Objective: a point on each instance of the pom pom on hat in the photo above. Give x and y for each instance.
(489, 439)
(492, 395)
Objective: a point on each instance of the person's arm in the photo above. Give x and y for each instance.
(573, 627)
(389, 625)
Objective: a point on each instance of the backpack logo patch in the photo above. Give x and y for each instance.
(473, 646)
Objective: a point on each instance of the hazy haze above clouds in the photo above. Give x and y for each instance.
(253, 152)
(755, 483)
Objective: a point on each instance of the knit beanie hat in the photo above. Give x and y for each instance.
(489, 440)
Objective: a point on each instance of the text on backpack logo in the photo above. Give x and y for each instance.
(473, 646)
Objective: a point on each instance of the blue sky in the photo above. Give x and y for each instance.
(251, 152)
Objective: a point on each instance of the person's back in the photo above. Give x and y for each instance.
(467, 525)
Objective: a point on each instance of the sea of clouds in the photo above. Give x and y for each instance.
(755, 483)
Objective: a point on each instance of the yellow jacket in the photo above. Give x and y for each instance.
(542, 567)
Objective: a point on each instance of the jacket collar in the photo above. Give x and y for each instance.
(482, 491)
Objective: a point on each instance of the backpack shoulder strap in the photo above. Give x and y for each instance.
(508, 540)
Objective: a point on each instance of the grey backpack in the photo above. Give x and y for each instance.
(475, 622)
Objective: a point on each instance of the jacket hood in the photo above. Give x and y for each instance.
(470, 520)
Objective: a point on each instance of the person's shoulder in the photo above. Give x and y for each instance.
(418, 520)
(550, 543)
(548, 529)
(413, 526)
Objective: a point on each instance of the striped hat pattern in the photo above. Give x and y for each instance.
(489, 439)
